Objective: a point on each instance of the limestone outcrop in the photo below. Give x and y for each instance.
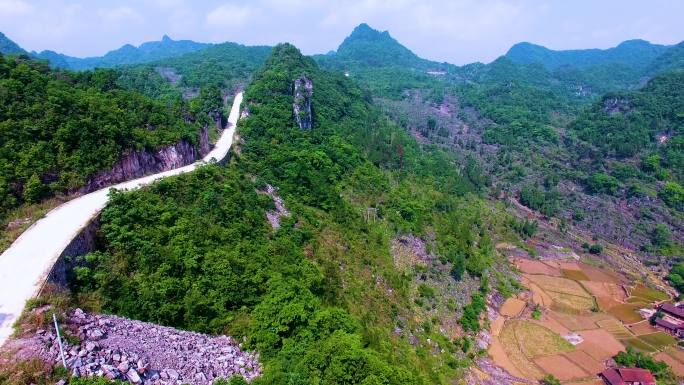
(303, 93)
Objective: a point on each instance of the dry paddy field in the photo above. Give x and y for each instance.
(628, 313)
(566, 294)
(582, 299)
(674, 357)
(512, 307)
(524, 341)
(561, 367)
(530, 266)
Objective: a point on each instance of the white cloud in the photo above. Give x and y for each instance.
(169, 3)
(458, 31)
(228, 15)
(121, 14)
(14, 8)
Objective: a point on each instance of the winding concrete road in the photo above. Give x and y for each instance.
(24, 266)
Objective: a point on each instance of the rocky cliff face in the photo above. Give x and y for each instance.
(136, 164)
(303, 91)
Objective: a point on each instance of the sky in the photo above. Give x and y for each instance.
(456, 31)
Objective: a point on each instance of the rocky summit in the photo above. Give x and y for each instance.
(143, 353)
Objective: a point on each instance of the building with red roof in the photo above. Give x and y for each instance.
(627, 376)
(676, 330)
(672, 310)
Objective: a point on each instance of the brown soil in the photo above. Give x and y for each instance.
(585, 361)
(677, 353)
(512, 307)
(578, 322)
(587, 382)
(604, 289)
(599, 275)
(496, 326)
(561, 367)
(530, 266)
(569, 266)
(676, 365)
(539, 297)
(641, 328)
(595, 351)
(499, 356)
(600, 344)
(554, 325)
(558, 284)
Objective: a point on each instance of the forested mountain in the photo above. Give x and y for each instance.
(543, 133)
(8, 47)
(381, 63)
(358, 231)
(325, 293)
(671, 59)
(58, 128)
(630, 53)
(373, 48)
(128, 54)
(224, 65)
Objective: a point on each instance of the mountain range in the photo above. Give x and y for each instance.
(127, 54)
(368, 47)
(377, 208)
(633, 53)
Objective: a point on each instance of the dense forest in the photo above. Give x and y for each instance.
(564, 132)
(402, 154)
(319, 297)
(58, 128)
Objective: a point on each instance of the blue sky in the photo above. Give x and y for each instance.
(458, 31)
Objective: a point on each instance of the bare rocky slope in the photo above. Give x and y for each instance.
(138, 352)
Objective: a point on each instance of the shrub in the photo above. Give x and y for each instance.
(602, 183)
(595, 249)
(673, 195)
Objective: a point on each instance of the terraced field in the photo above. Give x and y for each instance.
(576, 298)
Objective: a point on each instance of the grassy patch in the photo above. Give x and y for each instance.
(38, 311)
(627, 313)
(615, 328)
(659, 340)
(515, 355)
(648, 294)
(22, 218)
(559, 285)
(535, 340)
(638, 344)
(577, 275)
(571, 304)
(33, 371)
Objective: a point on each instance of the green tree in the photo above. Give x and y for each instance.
(34, 190)
(602, 183)
(550, 379)
(673, 195)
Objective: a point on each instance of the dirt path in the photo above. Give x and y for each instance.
(26, 263)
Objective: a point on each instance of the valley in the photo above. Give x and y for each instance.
(366, 216)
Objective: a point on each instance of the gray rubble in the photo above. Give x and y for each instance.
(145, 353)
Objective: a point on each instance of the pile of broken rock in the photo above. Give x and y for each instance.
(144, 353)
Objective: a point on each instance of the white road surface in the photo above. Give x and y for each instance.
(25, 265)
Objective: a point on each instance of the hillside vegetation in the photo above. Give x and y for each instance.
(321, 297)
(58, 128)
(576, 135)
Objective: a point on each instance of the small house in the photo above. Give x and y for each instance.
(673, 311)
(674, 329)
(627, 376)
